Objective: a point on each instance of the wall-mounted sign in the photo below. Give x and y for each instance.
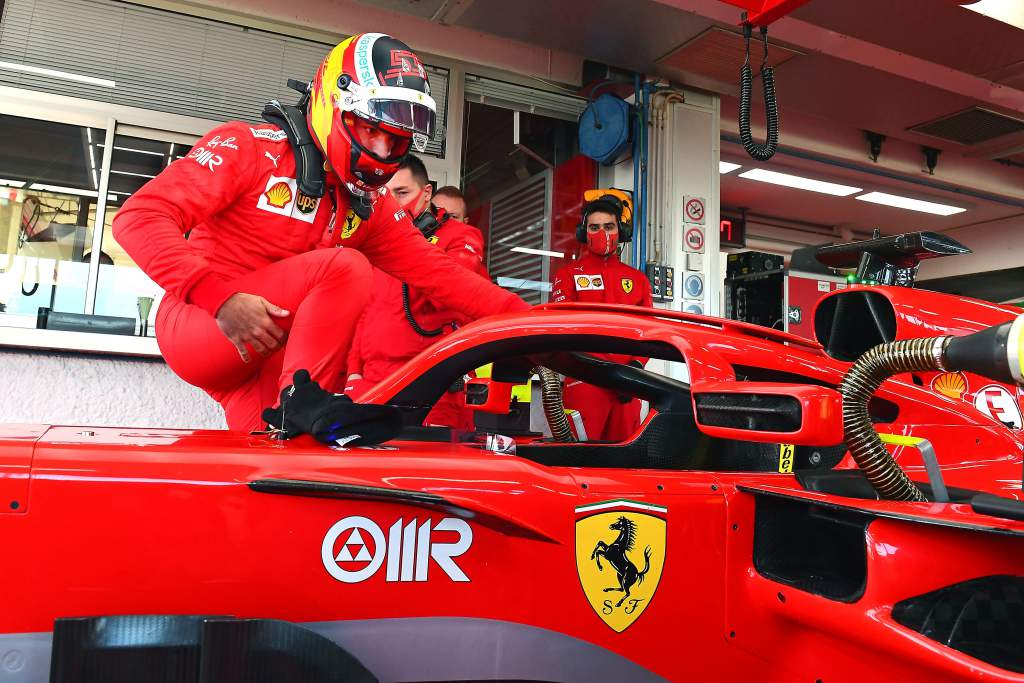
(693, 240)
(693, 286)
(694, 209)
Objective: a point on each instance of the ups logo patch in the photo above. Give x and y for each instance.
(306, 204)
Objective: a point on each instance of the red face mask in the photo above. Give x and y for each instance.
(410, 204)
(602, 242)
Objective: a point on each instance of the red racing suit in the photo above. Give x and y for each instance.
(250, 230)
(602, 279)
(384, 340)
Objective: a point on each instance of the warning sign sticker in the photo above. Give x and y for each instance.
(694, 239)
(694, 209)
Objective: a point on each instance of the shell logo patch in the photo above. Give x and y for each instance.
(950, 384)
(279, 195)
(589, 283)
(627, 285)
(620, 557)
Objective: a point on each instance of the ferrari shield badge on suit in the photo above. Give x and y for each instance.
(620, 556)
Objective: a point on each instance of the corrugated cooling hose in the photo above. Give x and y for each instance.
(754, 149)
(857, 387)
(554, 409)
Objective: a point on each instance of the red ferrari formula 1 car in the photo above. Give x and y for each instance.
(848, 510)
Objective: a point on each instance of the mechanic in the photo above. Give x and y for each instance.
(401, 321)
(599, 276)
(450, 199)
(250, 298)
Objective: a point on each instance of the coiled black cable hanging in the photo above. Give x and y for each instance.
(412, 320)
(755, 149)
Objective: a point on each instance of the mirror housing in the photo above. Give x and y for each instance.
(772, 412)
(489, 396)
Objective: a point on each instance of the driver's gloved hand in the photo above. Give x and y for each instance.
(306, 408)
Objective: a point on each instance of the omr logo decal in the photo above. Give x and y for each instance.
(355, 548)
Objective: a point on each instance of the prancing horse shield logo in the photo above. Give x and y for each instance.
(620, 556)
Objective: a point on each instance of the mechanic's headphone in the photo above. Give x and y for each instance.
(615, 202)
(427, 222)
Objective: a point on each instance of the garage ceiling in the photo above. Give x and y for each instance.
(873, 65)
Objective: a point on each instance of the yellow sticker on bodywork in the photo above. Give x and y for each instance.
(787, 453)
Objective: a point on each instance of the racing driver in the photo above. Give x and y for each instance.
(250, 299)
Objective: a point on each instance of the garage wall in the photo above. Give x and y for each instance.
(75, 389)
(996, 246)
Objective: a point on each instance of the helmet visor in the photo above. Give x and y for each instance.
(410, 116)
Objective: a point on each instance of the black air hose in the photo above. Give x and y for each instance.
(857, 387)
(996, 352)
(554, 409)
(756, 150)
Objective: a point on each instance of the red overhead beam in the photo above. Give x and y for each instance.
(764, 12)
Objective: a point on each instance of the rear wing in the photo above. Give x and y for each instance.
(889, 260)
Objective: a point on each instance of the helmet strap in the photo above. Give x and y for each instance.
(309, 162)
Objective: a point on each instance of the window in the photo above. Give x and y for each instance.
(49, 177)
(123, 290)
(524, 179)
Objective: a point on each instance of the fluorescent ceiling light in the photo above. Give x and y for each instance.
(908, 203)
(39, 71)
(12, 183)
(63, 190)
(727, 167)
(1007, 11)
(137, 175)
(538, 252)
(137, 151)
(776, 178)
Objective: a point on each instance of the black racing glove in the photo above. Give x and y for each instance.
(306, 408)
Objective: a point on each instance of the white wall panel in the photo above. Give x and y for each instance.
(73, 389)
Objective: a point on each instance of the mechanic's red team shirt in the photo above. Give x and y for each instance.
(602, 279)
(384, 339)
(235, 194)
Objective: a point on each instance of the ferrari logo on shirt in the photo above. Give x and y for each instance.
(627, 285)
(281, 196)
(352, 221)
(589, 283)
(434, 239)
(620, 557)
